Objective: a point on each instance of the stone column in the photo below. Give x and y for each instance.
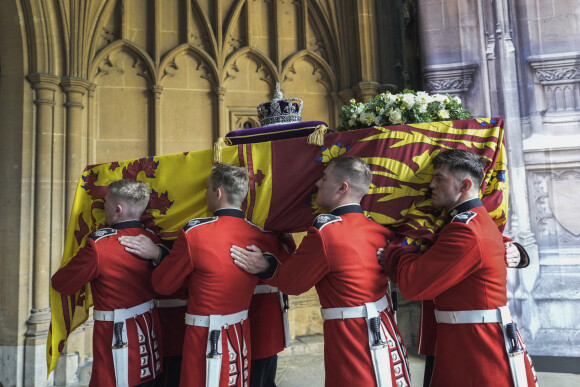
(76, 148)
(91, 156)
(220, 93)
(367, 40)
(504, 65)
(39, 320)
(156, 91)
(336, 109)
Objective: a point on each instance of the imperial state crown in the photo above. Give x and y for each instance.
(280, 110)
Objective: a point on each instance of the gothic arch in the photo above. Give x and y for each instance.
(206, 26)
(150, 72)
(212, 72)
(269, 71)
(324, 21)
(234, 17)
(326, 74)
(46, 38)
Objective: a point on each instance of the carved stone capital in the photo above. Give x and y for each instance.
(367, 90)
(451, 78)
(45, 86)
(556, 68)
(558, 75)
(43, 81)
(75, 89)
(220, 92)
(75, 85)
(156, 91)
(38, 324)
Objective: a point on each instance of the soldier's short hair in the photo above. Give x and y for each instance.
(462, 163)
(134, 194)
(354, 171)
(233, 179)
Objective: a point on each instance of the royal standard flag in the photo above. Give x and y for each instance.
(282, 192)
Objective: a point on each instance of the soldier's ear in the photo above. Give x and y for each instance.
(343, 187)
(466, 185)
(219, 192)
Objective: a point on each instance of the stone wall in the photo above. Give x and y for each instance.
(520, 60)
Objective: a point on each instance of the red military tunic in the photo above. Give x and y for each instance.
(428, 324)
(172, 322)
(119, 280)
(265, 315)
(200, 259)
(339, 257)
(463, 270)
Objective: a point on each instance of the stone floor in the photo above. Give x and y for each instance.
(302, 365)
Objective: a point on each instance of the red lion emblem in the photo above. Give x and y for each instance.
(145, 164)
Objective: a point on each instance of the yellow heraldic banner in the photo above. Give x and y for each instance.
(282, 190)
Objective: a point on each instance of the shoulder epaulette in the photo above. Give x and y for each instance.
(464, 217)
(198, 222)
(104, 232)
(324, 219)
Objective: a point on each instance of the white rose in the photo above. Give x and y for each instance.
(408, 100)
(360, 109)
(424, 98)
(439, 98)
(458, 99)
(443, 113)
(367, 118)
(391, 98)
(352, 102)
(396, 117)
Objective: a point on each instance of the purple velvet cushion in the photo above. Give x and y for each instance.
(273, 132)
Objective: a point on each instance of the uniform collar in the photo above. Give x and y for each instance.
(465, 206)
(235, 212)
(347, 209)
(133, 223)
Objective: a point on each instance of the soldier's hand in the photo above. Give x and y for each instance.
(249, 259)
(142, 247)
(512, 255)
(380, 255)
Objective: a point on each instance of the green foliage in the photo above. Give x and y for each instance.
(408, 107)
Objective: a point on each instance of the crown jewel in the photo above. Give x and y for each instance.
(280, 111)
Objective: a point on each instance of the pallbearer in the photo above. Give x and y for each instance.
(126, 347)
(216, 349)
(362, 345)
(464, 272)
